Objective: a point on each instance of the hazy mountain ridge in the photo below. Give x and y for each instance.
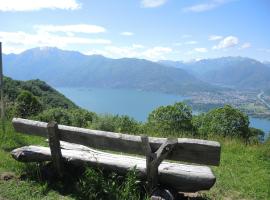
(267, 63)
(69, 68)
(239, 72)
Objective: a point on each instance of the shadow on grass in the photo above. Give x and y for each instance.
(76, 185)
(44, 173)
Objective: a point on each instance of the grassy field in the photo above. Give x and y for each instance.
(244, 173)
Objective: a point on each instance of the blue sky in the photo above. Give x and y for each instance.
(151, 29)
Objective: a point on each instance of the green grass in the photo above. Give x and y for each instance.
(244, 173)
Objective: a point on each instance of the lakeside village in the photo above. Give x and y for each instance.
(252, 102)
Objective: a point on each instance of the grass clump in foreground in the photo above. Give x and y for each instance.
(244, 173)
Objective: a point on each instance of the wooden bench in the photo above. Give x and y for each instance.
(75, 143)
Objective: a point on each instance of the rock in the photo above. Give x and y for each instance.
(7, 176)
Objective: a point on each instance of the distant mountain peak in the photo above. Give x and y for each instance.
(47, 48)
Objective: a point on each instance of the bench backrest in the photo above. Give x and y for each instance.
(186, 150)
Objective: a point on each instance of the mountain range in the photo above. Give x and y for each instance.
(236, 72)
(73, 69)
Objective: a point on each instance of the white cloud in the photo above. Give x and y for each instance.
(186, 36)
(245, 45)
(157, 53)
(127, 33)
(19, 41)
(137, 46)
(116, 51)
(10, 49)
(215, 37)
(264, 50)
(152, 3)
(34, 5)
(227, 42)
(205, 6)
(201, 50)
(154, 53)
(69, 29)
(177, 44)
(191, 42)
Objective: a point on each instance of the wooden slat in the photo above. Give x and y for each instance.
(185, 178)
(187, 150)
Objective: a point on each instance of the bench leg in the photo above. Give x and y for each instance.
(154, 159)
(55, 148)
(161, 194)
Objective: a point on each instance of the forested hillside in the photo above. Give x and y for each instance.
(33, 96)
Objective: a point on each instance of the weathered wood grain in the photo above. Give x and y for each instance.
(55, 148)
(187, 150)
(185, 178)
(154, 159)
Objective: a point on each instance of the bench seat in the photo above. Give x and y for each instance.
(183, 177)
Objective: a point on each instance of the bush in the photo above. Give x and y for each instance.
(116, 123)
(255, 135)
(71, 117)
(27, 104)
(97, 185)
(171, 119)
(225, 121)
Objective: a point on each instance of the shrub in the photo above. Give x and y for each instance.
(226, 121)
(72, 117)
(95, 184)
(255, 135)
(171, 118)
(27, 104)
(116, 123)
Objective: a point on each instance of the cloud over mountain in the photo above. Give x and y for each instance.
(35, 5)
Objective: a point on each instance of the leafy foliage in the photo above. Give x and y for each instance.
(116, 123)
(27, 104)
(255, 135)
(171, 118)
(225, 121)
(96, 185)
(30, 92)
(72, 117)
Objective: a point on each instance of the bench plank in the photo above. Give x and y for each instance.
(187, 150)
(185, 178)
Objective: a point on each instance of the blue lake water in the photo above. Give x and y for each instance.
(137, 104)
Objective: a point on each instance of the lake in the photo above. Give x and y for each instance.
(134, 103)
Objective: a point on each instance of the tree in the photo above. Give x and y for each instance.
(255, 135)
(27, 104)
(226, 121)
(70, 117)
(171, 118)
(127, 124)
